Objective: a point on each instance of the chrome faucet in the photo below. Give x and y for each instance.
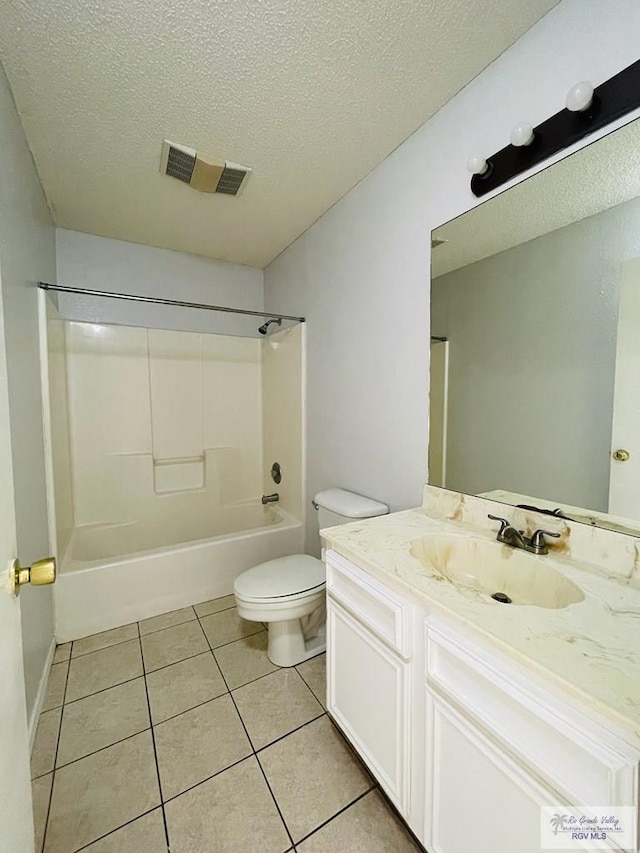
(508, 535)
(270, 499)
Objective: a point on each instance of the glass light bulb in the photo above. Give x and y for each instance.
(477, 165)
(580, 97)
(522, 134)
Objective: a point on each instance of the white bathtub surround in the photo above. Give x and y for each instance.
(589, 650)
(283, 402)
(158, 461)
(155, 414)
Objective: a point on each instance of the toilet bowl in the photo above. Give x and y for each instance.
(281, 593)
(288, 594)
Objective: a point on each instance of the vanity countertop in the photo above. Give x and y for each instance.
(591, 649)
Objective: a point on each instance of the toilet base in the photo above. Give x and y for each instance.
(287, 645)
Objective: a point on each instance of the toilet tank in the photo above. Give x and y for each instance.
(337, 506)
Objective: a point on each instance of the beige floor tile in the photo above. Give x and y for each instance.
(231, 813)
(227, 626)
(245, 660)
(172, 645)
(275, 705)
(102, 719)
(199, 743)
(105, 639)
(105, 668)
(167, 620)
(144, 835)
(184, 685)
(43, 754)
(314, 672)
(62, 653)
(41, 792)
(101, 792)
(368, 826)
(313, 775)
(55, 686)
(206, 608)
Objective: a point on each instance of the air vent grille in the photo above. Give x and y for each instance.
(231, 180)
(180, 164)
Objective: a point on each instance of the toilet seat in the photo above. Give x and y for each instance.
(282, 593)
(283, 579)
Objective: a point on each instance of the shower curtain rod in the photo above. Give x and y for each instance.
(83, 291)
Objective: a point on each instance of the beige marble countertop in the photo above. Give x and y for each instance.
(590, 649)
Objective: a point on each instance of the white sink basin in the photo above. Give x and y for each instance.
(489, 567)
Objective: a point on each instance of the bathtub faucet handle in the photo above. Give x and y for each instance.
(270, 499)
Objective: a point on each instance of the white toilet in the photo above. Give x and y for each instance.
(283, 592)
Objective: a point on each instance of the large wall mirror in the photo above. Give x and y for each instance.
(535, 353)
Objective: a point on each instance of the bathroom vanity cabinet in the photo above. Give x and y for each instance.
(466, 741)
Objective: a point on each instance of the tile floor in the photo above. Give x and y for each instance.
(178, 734)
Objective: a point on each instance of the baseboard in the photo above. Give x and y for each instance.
(42, 689)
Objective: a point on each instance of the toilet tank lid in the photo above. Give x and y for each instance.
(349, 504)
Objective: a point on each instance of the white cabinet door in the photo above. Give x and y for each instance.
(368, 696)
(478, 798)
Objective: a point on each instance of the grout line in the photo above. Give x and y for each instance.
(213, 612)
(153, 742)
(191, 708)
(144, 673)
(341, 811)
(255, 754)
(297, 729)
(104, 689)
(211, 649)
(208, 779)
(231, 642)
(313, 693)
(140, 634)
(102, 748)
(111, 831)
(150, 633)
(55, 757)
(102, 648)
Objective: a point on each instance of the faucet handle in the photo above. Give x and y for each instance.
(503, 523)
(538, 543)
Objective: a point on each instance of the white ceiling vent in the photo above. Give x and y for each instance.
(183, 163)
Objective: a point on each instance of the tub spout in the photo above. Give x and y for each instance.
(270, 499)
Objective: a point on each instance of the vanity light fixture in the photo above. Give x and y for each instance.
(587, 110)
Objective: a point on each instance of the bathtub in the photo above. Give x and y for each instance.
(165, 567)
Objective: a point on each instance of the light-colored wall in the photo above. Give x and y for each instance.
(99, 263)
(361, 273)
(532, 361)
(282, 415)
(27, 254)
(161, 423)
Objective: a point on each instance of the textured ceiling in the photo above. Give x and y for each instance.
(594, 179)
(310, 93)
